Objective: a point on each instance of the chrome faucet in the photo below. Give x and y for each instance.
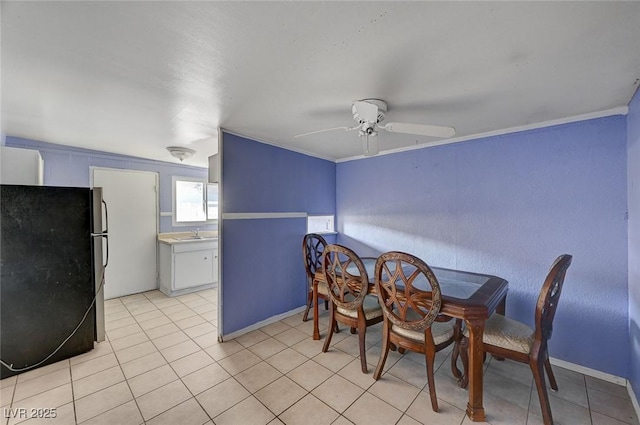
(195, 233)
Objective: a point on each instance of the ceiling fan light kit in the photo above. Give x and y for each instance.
(180, 152)
(370, 146)
(369, 113)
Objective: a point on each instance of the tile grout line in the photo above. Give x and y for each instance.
(167, 362)
(161, 354)
(13, 395)
(308, 392)
(604, 414)
(125, 380)
(15, 388)
(290, 326)
(179, 378)
(73, 396)
(120, 364)
(321, 401)
(586, 390)
(531, 387)
(194, 396)
(341, 414)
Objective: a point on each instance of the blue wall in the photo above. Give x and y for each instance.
(507, 206)
(263, 178)
(633, 152)
(262, 269)
(69, 166)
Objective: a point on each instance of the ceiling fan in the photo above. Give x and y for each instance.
(369, 114)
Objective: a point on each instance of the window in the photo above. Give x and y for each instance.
(212, 201)
(320, 224)
(194, 201)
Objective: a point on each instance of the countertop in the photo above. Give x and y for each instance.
(187, 237)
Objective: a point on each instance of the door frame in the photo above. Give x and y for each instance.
(156, 175)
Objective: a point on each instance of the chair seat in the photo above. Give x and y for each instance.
(442, 332)
(500, 331)
(370, 306)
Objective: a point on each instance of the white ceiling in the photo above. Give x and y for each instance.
(135, 77)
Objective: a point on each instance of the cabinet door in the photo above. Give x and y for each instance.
(193, 268)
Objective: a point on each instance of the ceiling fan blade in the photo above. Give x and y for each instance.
(370, 146)
(419, 129)
(326, 129)
(367, 111)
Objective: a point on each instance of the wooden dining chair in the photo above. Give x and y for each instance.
(410, 297)
(348, 284)
(508, 338)
(313, 246)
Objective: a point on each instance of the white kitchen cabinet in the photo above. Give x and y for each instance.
(187, 266)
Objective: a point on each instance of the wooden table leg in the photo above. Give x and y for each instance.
(316, 331)
(475, 410)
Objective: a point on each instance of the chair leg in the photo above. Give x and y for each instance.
(430, 355)
(386, 344)
(552, 379)
(464, 355)
(332, 324)
(457, 334)
(309, 302)
(362, 330)
(537, 367)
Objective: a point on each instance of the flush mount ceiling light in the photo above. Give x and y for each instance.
(180, 152)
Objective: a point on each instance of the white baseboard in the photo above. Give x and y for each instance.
(259, 325)
(590, 372)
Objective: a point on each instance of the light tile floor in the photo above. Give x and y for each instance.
(162, 364)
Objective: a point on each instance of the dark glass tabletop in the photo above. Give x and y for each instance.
(457, 284)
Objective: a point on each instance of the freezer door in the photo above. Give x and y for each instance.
(100, 248)
(47, 276)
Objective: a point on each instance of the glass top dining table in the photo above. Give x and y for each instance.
(469, 296)
(453, 283)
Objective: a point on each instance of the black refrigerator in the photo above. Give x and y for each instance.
(53, 251)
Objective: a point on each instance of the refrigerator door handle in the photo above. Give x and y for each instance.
(106, 230)
(106, 237)
(105, 233)
(106, 217)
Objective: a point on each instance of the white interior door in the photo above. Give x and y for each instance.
(132, 202)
